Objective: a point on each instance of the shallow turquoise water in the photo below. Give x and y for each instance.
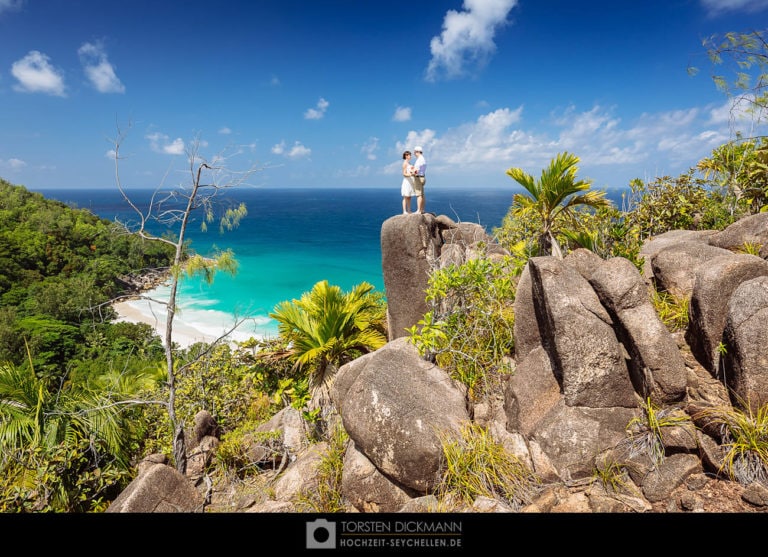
(290, 240)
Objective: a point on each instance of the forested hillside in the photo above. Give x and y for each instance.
(58, 266)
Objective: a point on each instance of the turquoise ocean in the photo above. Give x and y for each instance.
(290, 240)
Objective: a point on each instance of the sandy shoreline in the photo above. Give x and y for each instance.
(185, 334)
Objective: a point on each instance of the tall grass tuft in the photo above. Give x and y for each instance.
(645, 433)
(477, 465)
(613, 477)
(745, 441)
(672, 311)
(750, 248)
(326, 497)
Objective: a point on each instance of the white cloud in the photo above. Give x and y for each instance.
(720, 114)
(111, 154)
(717, 7)
(595, 136)
(666, 143)
(12, 164)
(402, 114)
(297, 151)
(741, 111)
(10, 5)
(370, 147)
(176, 147)
(318, 112)
(160, 143)
(225, 131)
(486, 140)
(467, 37)
(98, 69)
(36, 75)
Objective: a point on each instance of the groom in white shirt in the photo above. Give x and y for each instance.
(420, 178)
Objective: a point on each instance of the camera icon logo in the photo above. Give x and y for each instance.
(321, 534)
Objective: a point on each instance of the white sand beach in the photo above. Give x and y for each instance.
(185, 332)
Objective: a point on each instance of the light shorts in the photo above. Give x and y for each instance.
(418, 185)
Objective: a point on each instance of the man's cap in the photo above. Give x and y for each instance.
(417, 149)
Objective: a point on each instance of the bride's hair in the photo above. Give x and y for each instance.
(406, 153)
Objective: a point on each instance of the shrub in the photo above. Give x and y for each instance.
(65, 478)
(232, 452)
(210, 378)
(469, 332)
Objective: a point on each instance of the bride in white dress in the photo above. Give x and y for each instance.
(406, 188)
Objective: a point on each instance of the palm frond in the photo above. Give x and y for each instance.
(552, 198)
(525, 180)
(327, 325)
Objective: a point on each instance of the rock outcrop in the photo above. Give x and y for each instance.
(397, 409)
(158, 488)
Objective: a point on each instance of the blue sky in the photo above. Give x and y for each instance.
(329, 93)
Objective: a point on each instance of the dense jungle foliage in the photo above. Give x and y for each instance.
(61, 351)
(58, 267)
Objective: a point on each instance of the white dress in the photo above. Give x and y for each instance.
(406, 188)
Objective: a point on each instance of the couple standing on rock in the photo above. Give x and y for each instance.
(414, 178)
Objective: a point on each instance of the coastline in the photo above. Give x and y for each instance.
(185, 332)
(143, 307)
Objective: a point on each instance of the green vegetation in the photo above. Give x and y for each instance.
(751, 248)
(65, 478)
(672, 311)
(470, 330)
(613, 477)
(325, 497)
(58, 268)
(645, 434)
(327, 327)
(212, 378)
(740, 167)
(68, 431)
(740, 171)
(744, 53)
(553, 198)
(64, 444)
(232, 453)
(477, 465)
(745, 434)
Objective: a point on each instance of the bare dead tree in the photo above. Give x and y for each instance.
(174, 209)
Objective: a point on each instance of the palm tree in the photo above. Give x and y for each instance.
(327, 328)
(553, 198)
(33, 414)
(740, 168)
(43, 422)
